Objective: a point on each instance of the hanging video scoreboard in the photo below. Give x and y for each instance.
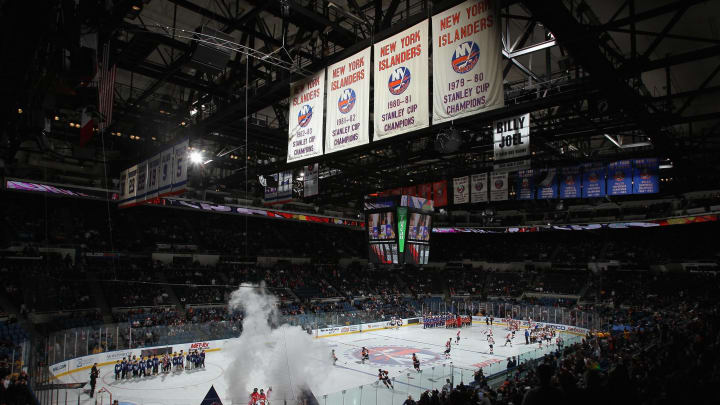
(399, 229)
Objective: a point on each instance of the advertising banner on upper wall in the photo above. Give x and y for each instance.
(511, 137)
(305, 122)
(461, 194)
(401, 82)
(593, 181)
(348, 103)
(479, 188)
(645, 176)
(619, 180)
(467, 62)
(499, 186)
(526, 185)
(271, 189)
(547, 186)
(569, 182)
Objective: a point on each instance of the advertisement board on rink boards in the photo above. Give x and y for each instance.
(305, 120)
(467, 61)
(401, 89)
(348, 103)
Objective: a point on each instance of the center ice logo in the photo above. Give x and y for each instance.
(400, 356)
(465, 57)
(304, 115)
(346, 102)
(399, 80)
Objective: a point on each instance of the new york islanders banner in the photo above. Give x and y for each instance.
(461, 194)
(645, 176)
(619, 181)
(478, 188)
(348, 103)
(305, 132)
(467, 70)
(547, 184)
(499, 186)
(569, 182)
(526, 185)
(593, 181)
(401, 82)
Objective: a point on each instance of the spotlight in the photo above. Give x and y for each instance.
(57, 118)
(196, 157)
(20, 111)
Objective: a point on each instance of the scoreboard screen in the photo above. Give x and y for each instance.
(398, 230)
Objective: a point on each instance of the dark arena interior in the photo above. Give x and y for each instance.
(359, 202)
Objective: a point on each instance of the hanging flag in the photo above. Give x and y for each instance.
(479, 188)
(461, 194)
(106, 89)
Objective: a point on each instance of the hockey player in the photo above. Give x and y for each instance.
(123, 368)
(202, 359)
(188, 361)
(254, 397)
(155, 364)
(491, 343)
(264, 399)
(135, 368)
(141, 367)
(416, 363)
(181, 360)
(447, 348)
(364, 355)
(118, 370)
(457, 338)
(508, 339)
(333, 357)
(398, 323)
(383, 376)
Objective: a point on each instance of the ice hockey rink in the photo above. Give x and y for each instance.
(390, 349)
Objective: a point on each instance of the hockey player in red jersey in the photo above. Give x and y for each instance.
(254, 397)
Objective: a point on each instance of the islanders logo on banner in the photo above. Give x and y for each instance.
(304, 115)
(465, 57)
(644, 174)
(479, 186)
(570, 180)
(461, 188)
(399, 80)
(593, 177)
(499, 183)
(346, 102)
(619, 175)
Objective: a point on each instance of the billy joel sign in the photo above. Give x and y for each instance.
(511, 137)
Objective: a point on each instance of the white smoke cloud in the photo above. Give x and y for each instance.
(285, 358)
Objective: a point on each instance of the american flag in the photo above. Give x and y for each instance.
(106, 88)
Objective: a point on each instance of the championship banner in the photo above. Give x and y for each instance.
(511, 137)
(425, 191)
(569, 182)
(499, 186)
(467, 62)
(153, 176)
(348, 103)
(547, 186)
(305, 122)
(526, 185)
(310, 187)
(461, 193)
(619, 181)
(593, 181)
(440, 193)
(166, 172)
(645, 176)
(401, 82)
(478, 188)
(180, 166)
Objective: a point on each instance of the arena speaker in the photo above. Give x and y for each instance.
(210, 51)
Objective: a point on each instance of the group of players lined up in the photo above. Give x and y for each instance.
(446, 321)
(132, 367)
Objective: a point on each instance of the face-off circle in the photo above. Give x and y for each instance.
(398, 356)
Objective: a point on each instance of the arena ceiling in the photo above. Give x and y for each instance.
(596, 76)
